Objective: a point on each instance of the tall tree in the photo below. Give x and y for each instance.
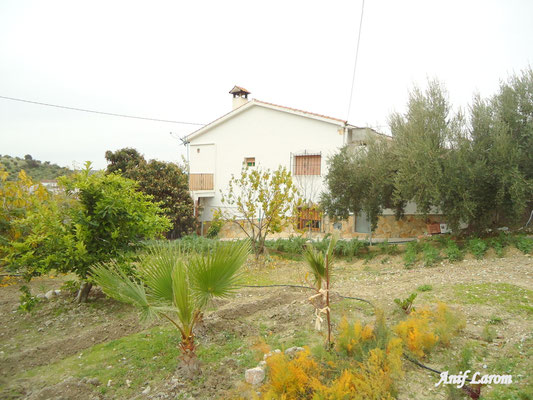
(166, 182)
(106, 219)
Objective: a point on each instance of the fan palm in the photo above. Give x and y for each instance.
(177, 287)
(320, 265)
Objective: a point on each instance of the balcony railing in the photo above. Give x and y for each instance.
(201, 182)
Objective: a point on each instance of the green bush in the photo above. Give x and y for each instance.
(216, 225)
(478, 247)
(292, 245)
(27, 300)
(406, 305)
(424, 288)
(430, 255)
(351, 248)
(453, 252)
(386, 248)
(523, 243)
(411, 253)
(498, 246)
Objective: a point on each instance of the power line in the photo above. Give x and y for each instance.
(99, 112)
(356, 56)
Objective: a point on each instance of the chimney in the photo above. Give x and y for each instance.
(240, 96)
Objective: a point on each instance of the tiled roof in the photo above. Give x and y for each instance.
(259, 102)
(239, 89)
(300, 111)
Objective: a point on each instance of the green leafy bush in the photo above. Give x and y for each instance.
(27, 300)
(386, 248)
(523, 243)
(478, 247)
(351, 248)
(453, 252)
(406, 304)
(103, 217)
(430, 255)
(411, 253)
(424, 288)
(216, 225)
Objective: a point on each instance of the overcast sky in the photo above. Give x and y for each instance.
(177, 60)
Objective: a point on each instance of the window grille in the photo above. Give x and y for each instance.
(306, 164)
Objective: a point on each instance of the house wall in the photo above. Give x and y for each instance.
(268, 135)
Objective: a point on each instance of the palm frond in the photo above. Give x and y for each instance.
(218, 274)
(316, 263)
(331, 249)
(182, 298)
(156, 271)
(117, 285)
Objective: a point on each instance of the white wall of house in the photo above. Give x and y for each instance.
(269, 135)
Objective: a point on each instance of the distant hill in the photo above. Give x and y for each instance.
(38, 170)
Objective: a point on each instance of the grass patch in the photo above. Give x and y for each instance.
(153, 353)
(424, 288)
(511, 297)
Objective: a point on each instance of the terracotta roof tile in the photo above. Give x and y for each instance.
(300, 111)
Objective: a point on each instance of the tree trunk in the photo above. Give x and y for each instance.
(189, 360)
(83, 293)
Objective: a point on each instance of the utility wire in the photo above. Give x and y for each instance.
(356, 56)
(99, 112)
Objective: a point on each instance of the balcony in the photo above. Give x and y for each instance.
(201, 182)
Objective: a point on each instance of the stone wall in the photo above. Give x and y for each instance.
(410, 226)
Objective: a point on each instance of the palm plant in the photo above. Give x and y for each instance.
(319, 264)
(177, 287)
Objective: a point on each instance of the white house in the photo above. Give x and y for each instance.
(262, 134)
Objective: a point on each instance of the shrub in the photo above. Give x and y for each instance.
(374, 364)
(478, 247)
(351, 248)
(373, 379)
(498, 246)
(195, 244)
(430, 255)
(292, 245)
(523, 243)
(27, 300)
(411, 253)
(452, 251)
(424, 288)
(488, 334)
(386, 248)
(424, 329)
(291, 379)
(216, 225)
(406, 305)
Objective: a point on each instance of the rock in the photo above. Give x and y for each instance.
(109, 383)
(271, 353)
(41, 296)
(50, 294)
(254, 376)
(93, 381)
(128, 383)
(57, 292)
(262, 364)
(293, 350)
(147, 390)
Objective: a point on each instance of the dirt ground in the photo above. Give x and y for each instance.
(59, 329)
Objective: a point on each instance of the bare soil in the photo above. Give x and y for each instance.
(60, 328)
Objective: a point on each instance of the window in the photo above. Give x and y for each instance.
(309, 219)
(249, 161)
(308, 164)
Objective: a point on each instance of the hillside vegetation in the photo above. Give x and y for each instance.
(38, 170)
